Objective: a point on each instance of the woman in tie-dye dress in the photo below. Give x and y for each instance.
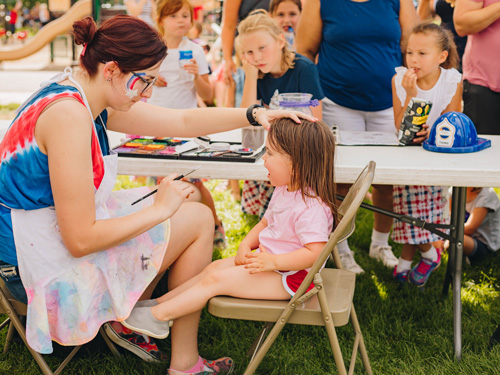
(79, 255)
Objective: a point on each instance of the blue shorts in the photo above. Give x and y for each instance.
(480, 251)
(10, 274)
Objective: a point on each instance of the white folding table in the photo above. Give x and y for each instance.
(411, 165)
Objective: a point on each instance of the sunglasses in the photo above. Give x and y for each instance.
(148, 83)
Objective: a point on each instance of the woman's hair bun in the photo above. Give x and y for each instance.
(84, 30)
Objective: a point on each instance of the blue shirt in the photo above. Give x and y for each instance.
(359, 50)
(303, 77)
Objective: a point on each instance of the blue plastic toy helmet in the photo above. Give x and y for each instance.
(454, 132)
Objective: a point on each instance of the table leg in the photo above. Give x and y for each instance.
(459, 195)
(453, 244)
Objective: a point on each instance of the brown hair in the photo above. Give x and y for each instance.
(444, 39)
(260, 20)
(130, 42)
(311, 148)
(273, 6)
(165, 8)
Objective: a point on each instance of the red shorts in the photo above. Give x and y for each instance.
(292, 282)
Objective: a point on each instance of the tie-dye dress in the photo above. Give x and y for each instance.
(68, 298)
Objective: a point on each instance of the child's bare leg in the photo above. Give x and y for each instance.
(468, 245)
(408, 251)
(189, 252)
(232, 281)
(214, 266)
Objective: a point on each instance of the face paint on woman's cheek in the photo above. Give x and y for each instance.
(129, 88)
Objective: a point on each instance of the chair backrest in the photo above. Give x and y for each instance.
(347, 213)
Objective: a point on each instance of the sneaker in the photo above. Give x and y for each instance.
(221, 366)
(400, 277)
(142, 320)
(220, 236)
(141, 345)
(420, 273)
(384, 254)
(348, 262)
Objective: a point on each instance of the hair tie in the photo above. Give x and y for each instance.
(83, 50)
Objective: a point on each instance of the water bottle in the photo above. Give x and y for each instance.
(290, 37)
(185, 57)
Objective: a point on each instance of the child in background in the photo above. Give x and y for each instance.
(177, 86)
(287, 241)
(431, 57)
(482, 227)
(270, 68)
(287, 14)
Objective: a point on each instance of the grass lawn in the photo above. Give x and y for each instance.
(406, 331)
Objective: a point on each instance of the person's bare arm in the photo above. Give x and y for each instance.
(250, 86)
(72, 182)
(309, 30)
(135, 8)
(475, 220)
(425, 9)
(229, 21)
(407, 21)
(470, 17)
(456, 101)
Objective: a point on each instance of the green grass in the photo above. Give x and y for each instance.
(406, 331)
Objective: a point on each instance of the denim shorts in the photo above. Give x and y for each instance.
(480, 251)
(10, 274)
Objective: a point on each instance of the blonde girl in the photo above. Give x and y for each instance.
(271, 68)
(287, 241)
(431, 57)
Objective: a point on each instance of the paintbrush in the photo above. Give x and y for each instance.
(177, 178)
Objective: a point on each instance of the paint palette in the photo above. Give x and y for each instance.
(172, 148)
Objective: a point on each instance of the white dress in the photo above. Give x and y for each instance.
(440, 95)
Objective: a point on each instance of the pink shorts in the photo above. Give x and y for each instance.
(292, 282)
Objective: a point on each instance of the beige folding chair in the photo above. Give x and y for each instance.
(329, 304)
(14, 309)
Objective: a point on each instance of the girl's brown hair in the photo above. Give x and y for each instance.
(273, 6)
(260, 20)
(165, 8)
(444, 39)
(311, 148)
(130, 42)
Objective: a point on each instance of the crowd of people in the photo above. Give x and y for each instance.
(152, 74)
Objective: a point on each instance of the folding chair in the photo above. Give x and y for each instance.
(329, 304)
(14, 310)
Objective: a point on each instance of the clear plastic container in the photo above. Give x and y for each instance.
(296, 101)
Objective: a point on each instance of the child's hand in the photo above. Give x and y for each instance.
(260, 261)
(171, 194)
(160, 82)
(192, 68)
(250, 70)
(409, 83)
(422, 135)
(240, 257)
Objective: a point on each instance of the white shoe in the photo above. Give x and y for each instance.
(348, 262)
(384, 254)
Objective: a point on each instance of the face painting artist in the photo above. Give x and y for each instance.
(79, 255)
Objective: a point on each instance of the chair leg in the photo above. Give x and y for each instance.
(362, 347)
(8, 338)
(259, 340)
(332, 335)
(109, 343)
(67, 359)
(261, 352)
